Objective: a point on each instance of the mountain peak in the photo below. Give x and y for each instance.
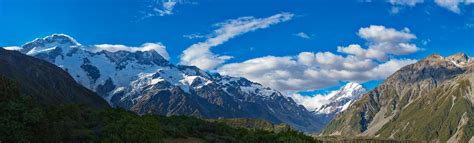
(340, 100)
(459, 58)
(351, 85)
(59, 38)
(54, 40)
(349, 90)
(434, 57)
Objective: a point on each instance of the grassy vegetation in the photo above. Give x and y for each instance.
(433, 116)
(436, 116)
(252, 124)
(22, 119)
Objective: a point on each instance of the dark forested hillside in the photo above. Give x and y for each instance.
(23, 119)
(45, 82)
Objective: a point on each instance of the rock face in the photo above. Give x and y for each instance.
(145, 82)
(45, 82)
(340, 100)
(429, 100)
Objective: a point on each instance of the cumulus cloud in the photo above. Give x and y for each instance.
(200, 55)
(382, 42)
(158, 47)
(319, 70)
(310, 71)
(302, 35)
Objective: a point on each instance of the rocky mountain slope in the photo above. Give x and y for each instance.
(340, 100)
(429, 100)
(145, 82)
(44, 81)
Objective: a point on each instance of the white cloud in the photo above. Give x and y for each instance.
(302, 35)
(310, 71)
(166, 8)
(312, 102)
(13, 48)
(194, 36)
(453, 5)
(395, 10)
(377, 33)
(162, 7)
(382, 42)
(158, 47)
(199, 54)
(399, 5)
(405, 2)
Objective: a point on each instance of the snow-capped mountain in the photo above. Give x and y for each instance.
(340, 100)
(145, 82)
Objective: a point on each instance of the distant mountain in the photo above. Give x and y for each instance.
(340, 100)
(145, 82)
(45, 82)
(429, 100)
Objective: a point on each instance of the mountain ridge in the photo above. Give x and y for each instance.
(146, 83)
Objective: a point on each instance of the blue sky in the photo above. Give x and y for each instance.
(314, 26)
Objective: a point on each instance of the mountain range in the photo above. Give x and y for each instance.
(146, 83)
(431, 100)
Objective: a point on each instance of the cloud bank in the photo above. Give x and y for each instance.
(310, 71)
